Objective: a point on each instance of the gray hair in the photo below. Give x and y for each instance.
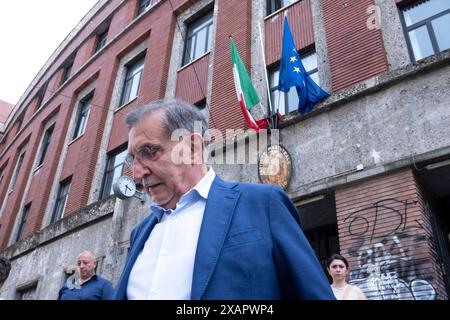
(89, 253)
(178, 115)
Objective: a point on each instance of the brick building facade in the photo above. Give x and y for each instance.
(370, 164)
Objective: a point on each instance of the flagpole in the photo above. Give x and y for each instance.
(266, 77)
(278, 106)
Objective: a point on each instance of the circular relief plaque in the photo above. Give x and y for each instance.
(275, 166)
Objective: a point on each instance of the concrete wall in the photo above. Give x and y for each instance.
(376, 124)
(44, 256)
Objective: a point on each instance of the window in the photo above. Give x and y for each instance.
(67, 70)
(67, 67)
(17, 170)
(132, 80)
(198, 40)
(144, 5)
(426, 27)
(28, 291)
(45, 143)
(288, 102)
(83, 115)
(61, 200)
(101, 40)
(274, 5)
(114, 169)
(40, 95)
(22, 223)
(19, 121)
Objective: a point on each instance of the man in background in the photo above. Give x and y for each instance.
(88, 286)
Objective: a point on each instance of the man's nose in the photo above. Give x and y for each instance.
(139, 170)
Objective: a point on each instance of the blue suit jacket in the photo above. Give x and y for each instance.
(250, 246)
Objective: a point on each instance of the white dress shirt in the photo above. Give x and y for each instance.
(164, 268)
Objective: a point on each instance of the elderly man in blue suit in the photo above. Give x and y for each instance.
(206, 238)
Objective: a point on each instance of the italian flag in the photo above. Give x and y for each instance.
(246, 93)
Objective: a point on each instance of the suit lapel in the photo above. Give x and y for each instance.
(138, 244)
(219, 211)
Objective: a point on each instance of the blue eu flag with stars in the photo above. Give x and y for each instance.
(293, 73)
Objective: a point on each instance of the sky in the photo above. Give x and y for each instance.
(30, 31)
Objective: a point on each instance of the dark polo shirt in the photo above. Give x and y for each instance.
(96, 288)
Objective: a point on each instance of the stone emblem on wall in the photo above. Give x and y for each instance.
(275, 166)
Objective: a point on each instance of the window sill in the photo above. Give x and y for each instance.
(76, 139)
(193, 61)
(147, 9)
(279, 10)
(35, 171)
(126, 104)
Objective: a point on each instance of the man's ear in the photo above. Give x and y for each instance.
(197, 147)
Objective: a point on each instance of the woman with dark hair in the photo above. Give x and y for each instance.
(337, 267)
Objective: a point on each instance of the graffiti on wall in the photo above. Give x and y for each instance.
(389, 252)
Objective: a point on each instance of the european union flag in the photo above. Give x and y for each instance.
(293, 73)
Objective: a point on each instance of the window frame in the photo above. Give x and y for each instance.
(22, 223)
(276, 67)
(17, 168)
(272, 5)
(427, 23)
(206, 21)
(134, 67)
(2, 174)
(46, 140)
(110, 171)
(83, 112)
(143, 6)
(102, 37)
(40, 96)
(67, 70)
(62, 195)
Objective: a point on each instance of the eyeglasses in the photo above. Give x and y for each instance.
(146, 152)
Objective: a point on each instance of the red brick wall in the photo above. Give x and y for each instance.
(300, 22)
(82, 154)
(40, 187)
(84, 52)
(160, 24)
(355, 52)
(154, 80)
(192, 81)
(81, 164)
(12, 206)
(384, 232)
(232, 20)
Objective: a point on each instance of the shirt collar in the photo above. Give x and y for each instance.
(204, 185)
(200, 189)
(90, 279)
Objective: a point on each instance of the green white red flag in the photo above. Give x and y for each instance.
(246, 93)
